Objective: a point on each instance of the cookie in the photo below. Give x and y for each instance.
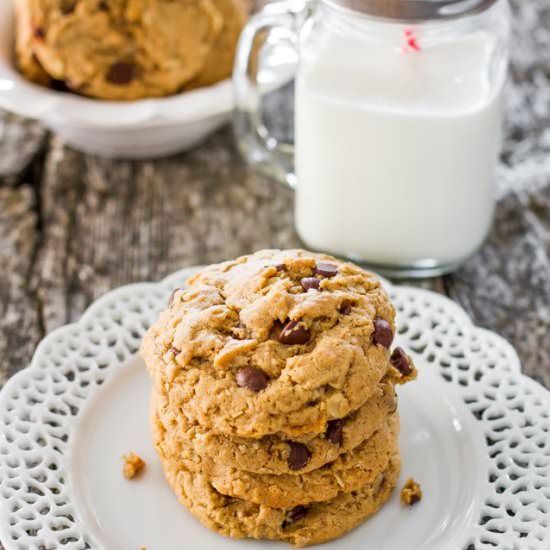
(124, 49)
(349, 472)
(219, 63)
(301, 526)
(275, 342)
(27, 62)
(270, 454)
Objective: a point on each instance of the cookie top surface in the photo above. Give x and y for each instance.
(124, 49)
(279, 341)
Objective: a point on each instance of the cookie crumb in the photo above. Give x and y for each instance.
(411, 493)
(133, 465)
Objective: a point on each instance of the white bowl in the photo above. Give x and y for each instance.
(134, 129)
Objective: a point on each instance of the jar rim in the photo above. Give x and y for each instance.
(414, 10)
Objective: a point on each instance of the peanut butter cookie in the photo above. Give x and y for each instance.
(275, 342)
(302, 525)
(272, 454)
(349, 472)
(219, 63)
(122, 49)
(27, 62)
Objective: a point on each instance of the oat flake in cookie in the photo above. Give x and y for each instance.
(273, 409)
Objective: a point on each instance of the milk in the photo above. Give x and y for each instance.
(396, 149)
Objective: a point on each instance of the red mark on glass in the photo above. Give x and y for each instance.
(411, 42)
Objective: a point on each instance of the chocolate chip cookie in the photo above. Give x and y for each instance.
(27, 62)
(128, 49)
(219, 62)
(272, 454)
(247, 350)
(348, 473)
(301, 525)
(273, 407)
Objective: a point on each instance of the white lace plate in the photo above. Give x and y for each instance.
(475, 434)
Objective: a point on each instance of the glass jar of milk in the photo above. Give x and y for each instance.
(398, 108)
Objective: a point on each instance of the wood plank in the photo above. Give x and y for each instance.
(20, 142)
(20, 325)
(107, 223)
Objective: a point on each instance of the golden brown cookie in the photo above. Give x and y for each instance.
(219, 63)
(349, 472)
(275, 342)
(301, 525)
(271, 454)
(27, 62)
(124, 49)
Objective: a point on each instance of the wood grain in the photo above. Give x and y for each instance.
(21, 147)
(107, 223)
(20, 327)
(21, 141)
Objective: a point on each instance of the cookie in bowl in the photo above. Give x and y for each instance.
(273, 408)
(128, 50)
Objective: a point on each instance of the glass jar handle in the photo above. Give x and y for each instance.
(260, 148)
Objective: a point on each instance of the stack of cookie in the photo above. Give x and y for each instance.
(128, 49)
(273, 409)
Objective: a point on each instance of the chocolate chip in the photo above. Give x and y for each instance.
(297, 513)
(102, 5)
(310, 282)
(280, 267)
(294, 333)
(121, 73)
(172, 296)
(299, 455)
(383, 333)
(345, 307)
(39, 33)
(326, 270)
(252, 378)
(335, 431)
(67, 6)
(401, 362)
(60, 86)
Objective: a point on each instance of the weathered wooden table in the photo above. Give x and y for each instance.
(73, 226)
